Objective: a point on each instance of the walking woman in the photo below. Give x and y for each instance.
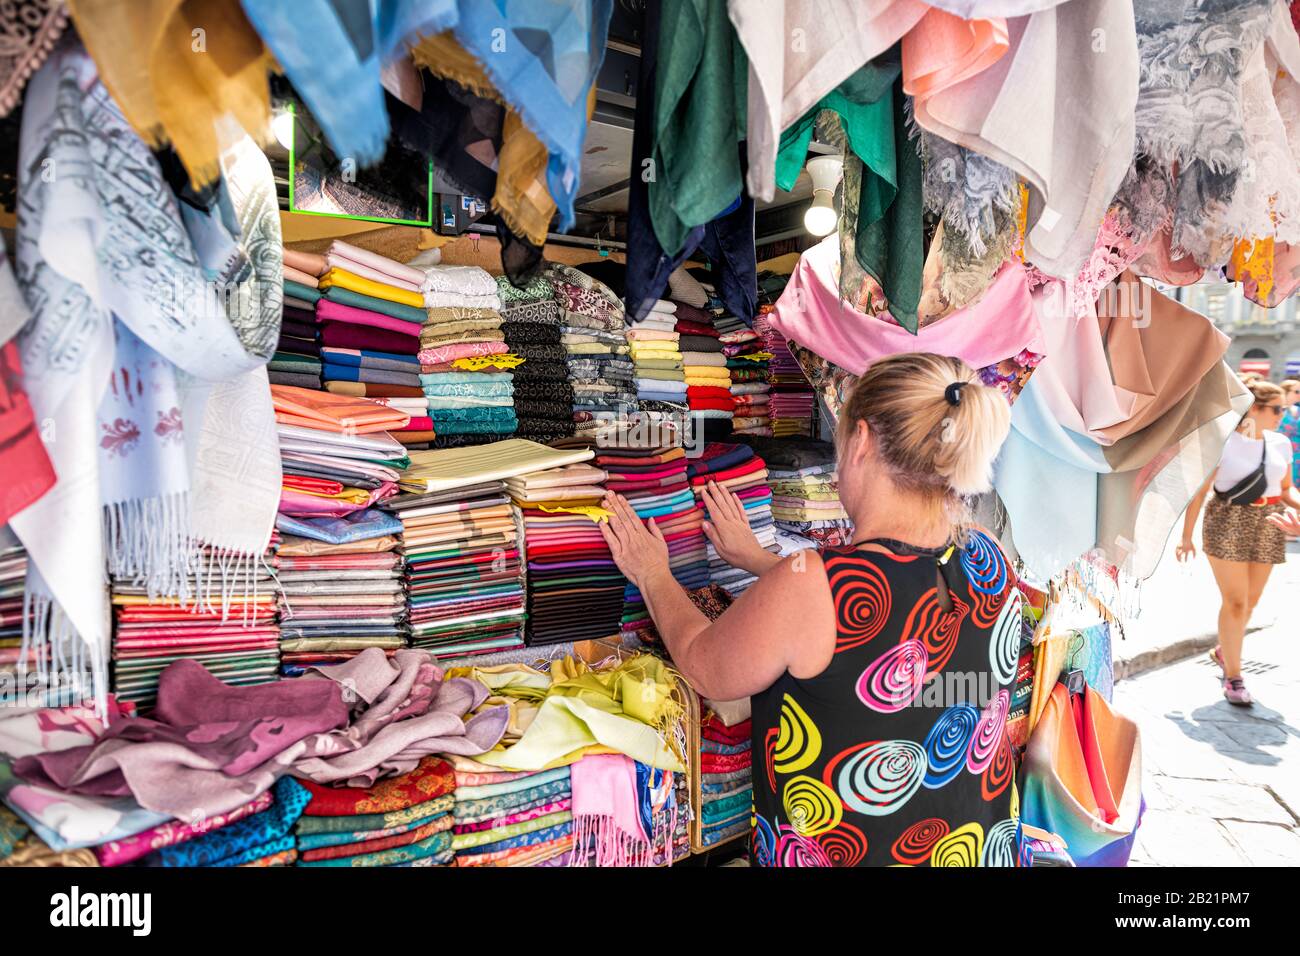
(880, 672)
(1252, 483)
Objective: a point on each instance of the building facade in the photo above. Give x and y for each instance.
(1263, 340)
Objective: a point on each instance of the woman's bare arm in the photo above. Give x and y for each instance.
(784, 621)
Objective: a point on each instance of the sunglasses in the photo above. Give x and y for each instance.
(1275, 409)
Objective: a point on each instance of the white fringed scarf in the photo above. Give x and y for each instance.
(129, 344)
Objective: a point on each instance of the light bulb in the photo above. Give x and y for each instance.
(282, 128)
(820, 219)
(825, 171)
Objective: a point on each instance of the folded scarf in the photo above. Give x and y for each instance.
(704, 359)
(464, 280)
(443, 300)
(308, 262)
(338, 295)
(440, 824)
(472, 841)
(341, 250)
(449, 353)
(349, 335)
(436, 847)
(380, 820)
(359, 313)
(338, 413)
(373, 390)
(343, 279)
(234, 840)
(368, 358)
(312, 841)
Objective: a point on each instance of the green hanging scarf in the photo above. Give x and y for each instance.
(700, 90)
(881, 215)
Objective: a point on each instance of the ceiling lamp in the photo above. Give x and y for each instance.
(282, 123)
(821, 218)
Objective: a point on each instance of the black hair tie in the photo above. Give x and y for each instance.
(953, 393)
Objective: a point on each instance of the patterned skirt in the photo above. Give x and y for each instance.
(1240, 533)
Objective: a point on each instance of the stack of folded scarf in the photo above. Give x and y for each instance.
(749, 363)
(237, 645)
(657, 359)
(726, 786)
(510, 818)
(297, 359)
(370, 314)
(259, 833)
(575, 591)
(791, 400)
(17, 680)
(736, 469)
(339, 593)
(465, 359)
(681, 833)
(368, 367)
(593, 333)
(806, 499)
(543, 395)
(399, 821)
(341, 583)
(708, 381)
(656, 484)
(465, 575)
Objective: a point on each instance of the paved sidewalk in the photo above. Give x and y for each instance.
(1222, 783)
(1179, 609)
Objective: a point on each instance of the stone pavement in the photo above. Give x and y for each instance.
(1222, 783)
(1179, 607)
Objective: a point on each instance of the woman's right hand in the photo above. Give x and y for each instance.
(1186, 550)
(728, 529)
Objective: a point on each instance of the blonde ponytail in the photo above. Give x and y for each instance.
(935, 426)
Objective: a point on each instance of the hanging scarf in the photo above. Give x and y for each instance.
(173, 66)
(880, 226)
(520, 196)
(126, 340)
(543, 57)
(26, 466)
(1189, 116)
(333, 54)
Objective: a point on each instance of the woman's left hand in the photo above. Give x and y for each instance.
(639, 552)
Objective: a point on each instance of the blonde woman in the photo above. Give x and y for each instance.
(1245, 529)
(853, 764)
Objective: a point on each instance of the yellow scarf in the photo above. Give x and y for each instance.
(376, 290)
(176, 66)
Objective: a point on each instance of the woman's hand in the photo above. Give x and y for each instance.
(640, 553)
(1186, 550)
(728, 529)
(1288, 521)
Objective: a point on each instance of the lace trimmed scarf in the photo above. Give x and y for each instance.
(28, 31)
(1190, 116)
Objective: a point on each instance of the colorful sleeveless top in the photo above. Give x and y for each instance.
(897, 753)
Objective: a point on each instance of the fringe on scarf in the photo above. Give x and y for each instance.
(148, 543)
(599, 841)
(61, 656)
(225, 573)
